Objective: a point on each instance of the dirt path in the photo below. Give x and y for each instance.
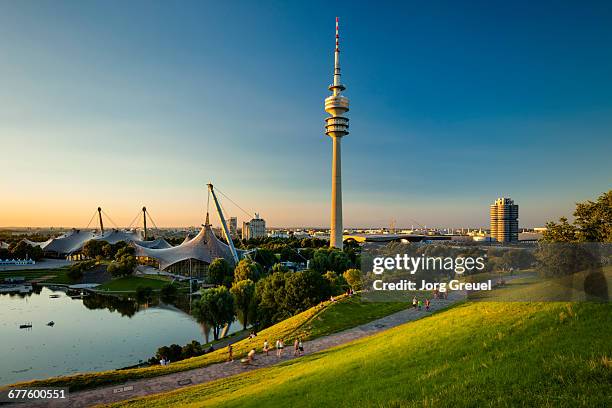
(155, 385)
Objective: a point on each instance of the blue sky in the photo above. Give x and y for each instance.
(124, 104)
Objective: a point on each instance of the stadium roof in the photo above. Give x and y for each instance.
(69, 242)
(74, 241)
(204, 247)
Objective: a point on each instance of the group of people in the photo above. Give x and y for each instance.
(298, 350)
(418, 304)
(440, 295)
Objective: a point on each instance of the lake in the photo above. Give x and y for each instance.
(90, 334)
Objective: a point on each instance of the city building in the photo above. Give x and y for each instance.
(504, 220)
(336, 127)
(233, 226)
(256, 228)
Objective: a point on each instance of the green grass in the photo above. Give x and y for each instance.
(539, 289)
(59, 275)
(304, 325)
(130, 283)
(349, 313)
(475, 354)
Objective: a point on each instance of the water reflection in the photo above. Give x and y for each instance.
(109, 332)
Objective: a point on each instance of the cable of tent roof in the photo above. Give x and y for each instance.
(134, 220)
(110, 219)
(148, 213)
(91, 219)
(243, 210)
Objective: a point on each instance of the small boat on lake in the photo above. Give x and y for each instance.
(25, 326)
(51, 323)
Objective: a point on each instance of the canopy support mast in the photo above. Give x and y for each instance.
(228, 237)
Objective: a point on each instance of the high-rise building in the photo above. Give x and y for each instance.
(256, 228)
(233, 226)
(504, 220)
(336, 127)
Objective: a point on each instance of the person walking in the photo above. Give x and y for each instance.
(266, 347)
(296, 348)
(282, 347)
(414, 302)
(420, 304)
(427, 305)
(230, 353)
(300, 346)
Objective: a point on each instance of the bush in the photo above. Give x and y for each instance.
(353, 278)
(123, 267)
(76, 271)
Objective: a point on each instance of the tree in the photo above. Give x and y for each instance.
(330, 259)
(337, 283)
(93, 248)
(353, 278)
(220, 272)
(265, 258)
(593, 223)
(244, 296)
(304, 289)
(247, 269)
(124, 267)
(278, 267)
(23, 250)
(270, 296)
(561, 232)
(215, 308)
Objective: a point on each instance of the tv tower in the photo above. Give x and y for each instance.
(336, 126)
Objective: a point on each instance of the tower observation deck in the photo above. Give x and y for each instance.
(336, 127)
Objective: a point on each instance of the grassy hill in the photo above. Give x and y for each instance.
(325, 318)
(475, 354)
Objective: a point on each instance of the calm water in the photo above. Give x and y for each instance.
(90, 334)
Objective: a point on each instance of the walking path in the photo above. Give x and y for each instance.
(155, 385)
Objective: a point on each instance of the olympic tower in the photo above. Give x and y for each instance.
(336, 127)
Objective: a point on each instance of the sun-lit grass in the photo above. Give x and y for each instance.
(475, 354)
(349, 313)
(539, 289)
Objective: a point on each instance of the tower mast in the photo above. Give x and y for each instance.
(336, 127)
(100, 218)
(144, 221)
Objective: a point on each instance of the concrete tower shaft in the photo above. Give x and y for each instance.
(336, 127)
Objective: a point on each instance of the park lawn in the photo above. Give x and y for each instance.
(541, 289)
(59, 275)
(474, 354)
(299, 325)
(349, 313)
(131, 283)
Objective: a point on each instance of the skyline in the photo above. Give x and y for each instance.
(100, 111)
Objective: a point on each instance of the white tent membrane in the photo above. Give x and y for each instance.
(38, 244)
(204, 247)
(158, 243)
(115, 235)
(68, 243)
(73, 241)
